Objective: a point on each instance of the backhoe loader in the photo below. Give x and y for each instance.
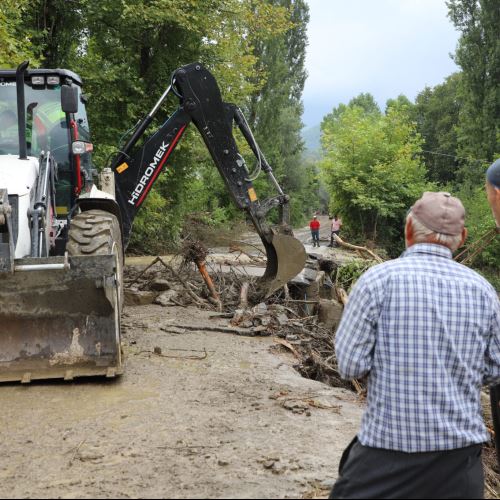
(62, 239)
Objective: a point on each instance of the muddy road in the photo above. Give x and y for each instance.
(216, 415)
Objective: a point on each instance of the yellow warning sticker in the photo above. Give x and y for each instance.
(252, 194)
(62, 210)
(122, 168)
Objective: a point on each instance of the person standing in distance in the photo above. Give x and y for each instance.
(335, 228)
(315, 225)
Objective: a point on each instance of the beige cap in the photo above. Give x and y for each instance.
(440, 212)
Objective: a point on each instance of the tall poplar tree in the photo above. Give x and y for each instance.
(275, 110)
(478, 54)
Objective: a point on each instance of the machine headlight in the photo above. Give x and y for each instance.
(53, 80)
(82, 147)
(37, 80)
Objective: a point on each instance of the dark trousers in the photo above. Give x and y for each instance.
(333, 243)
(315, 237)
(374, 473)
(495, 412)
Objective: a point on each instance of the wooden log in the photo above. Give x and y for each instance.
(344, 244)
(342, 295)
(244, 296)
(210, 284)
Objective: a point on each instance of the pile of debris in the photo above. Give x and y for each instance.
(302, 316)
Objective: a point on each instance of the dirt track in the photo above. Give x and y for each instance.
(240, 423)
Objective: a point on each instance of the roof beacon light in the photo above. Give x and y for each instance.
(37, 80)
(53, 80)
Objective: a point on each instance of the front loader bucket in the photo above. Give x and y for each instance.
(59, 323)
(286, 258)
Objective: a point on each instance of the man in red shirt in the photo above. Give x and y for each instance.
(315, 225)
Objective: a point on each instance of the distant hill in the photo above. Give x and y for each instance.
(311, 137)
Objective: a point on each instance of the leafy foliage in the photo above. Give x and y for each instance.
(348, 273)
(479, 221)
(437, 113)
(15, 41)
(478, 54)
(372, 168)
(275, 108)
(126, 50)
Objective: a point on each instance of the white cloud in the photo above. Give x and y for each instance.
(386, 47)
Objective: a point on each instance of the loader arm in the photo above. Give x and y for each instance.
(200, 102)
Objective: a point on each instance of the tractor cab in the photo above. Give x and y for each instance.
(48, 127)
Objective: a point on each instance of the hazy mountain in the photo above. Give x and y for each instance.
(311, 137)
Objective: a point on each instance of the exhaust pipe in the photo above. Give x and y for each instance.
(21, 110)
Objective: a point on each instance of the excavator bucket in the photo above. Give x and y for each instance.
(286, 258)
(59, 318)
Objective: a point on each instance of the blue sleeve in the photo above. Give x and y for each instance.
(356, 334)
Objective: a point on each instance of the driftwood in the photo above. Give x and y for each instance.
(244, 295)
(471, 251)
(342, 295)
(344, 244)
(195, 297)
(215, 299)
(289, 346)
(205, 328)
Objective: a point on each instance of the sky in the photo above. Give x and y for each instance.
(385, 47)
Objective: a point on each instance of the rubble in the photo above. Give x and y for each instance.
(302, 316)
(168, 298)
(160, 285)
(330, 313)
(134, 297)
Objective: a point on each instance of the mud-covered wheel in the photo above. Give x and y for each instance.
(97, 232)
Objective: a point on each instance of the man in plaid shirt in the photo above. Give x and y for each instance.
(425, 331)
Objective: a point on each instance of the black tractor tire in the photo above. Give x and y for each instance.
(97, 232)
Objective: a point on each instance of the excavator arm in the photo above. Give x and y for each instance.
(200, 102)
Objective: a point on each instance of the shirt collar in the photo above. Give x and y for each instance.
(428, 249)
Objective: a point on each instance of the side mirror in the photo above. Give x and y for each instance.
(69, 99)
(81, 147)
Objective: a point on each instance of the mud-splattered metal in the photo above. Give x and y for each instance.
(60, 323)
(286, 257)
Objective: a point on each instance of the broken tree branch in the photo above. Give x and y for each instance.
(342, 295)
(244, 295)
(344, 244)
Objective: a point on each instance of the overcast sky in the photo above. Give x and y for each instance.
(385, 47)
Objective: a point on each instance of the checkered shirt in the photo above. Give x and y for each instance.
(426, 332)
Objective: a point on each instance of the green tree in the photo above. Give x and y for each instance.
(275, 108)
(478, 54)
(372, 170)
(366, 102)
(15, 39)
(57, 30)
(479, 221)
(437, 113)
(403, 103)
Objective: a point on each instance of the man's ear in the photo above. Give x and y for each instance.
(409, 232)
(465, 233)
